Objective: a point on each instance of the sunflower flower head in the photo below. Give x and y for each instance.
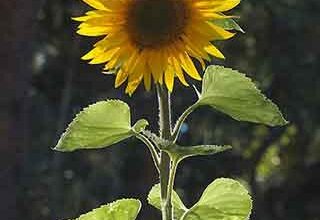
(154, 40)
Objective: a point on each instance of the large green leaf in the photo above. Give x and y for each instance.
(224, 199)
(99, 125)
(154, 199)
(236, 95)
(124, 209)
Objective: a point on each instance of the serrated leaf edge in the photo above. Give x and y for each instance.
(75, 120)
(202, 99)
(111, 203)
(221, 178)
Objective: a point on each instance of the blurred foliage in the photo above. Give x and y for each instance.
(279, 50)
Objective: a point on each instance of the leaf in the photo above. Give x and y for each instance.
(236, 95)
(154, 199)
(140, 125)
(99, 125)
(224, 199)
(228, 24)
(184, 152)
(124, 209)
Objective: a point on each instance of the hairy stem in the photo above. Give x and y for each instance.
(172, 175)
(165, 133)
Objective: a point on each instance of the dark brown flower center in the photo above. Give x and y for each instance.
(154, 23)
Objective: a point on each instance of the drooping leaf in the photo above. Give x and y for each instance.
(224, 199)
(154, 199)
(236, 95)
(228, 24)
(200, 150)
(99, 125)
(124, 209)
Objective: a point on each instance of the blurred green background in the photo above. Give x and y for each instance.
(44, 84)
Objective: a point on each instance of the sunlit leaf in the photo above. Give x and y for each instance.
(224, 199)
(236, 95)
(154, 199)
(124, 209)
(99, 125)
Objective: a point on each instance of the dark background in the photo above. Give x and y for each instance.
(44, 84)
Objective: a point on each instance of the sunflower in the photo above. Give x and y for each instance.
(154, 40)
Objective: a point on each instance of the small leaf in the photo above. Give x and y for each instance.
(184, 152)
(99, 125)
(236, 95)
(124, 209)
(222, 199)
(140, 125)
(228, 24)
(154, 199)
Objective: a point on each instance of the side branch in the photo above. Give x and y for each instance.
(180, 121)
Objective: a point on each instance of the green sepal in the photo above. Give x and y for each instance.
(234, 94)
(222, 199)
(228, 24)
(154, 199)
(99, 125)
(124, 209)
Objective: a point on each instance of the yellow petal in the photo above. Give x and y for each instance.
(133, 85)
(226, 6)
(214, 51)
(120, 78)
(113, 62)
(220, 33)
(217, 6)
(94, 31)
(188, 66)
(169, 78)
(97, 4)
(104, 57)
(93, 53)
(178, 71)
(155, 65)
(211, 14)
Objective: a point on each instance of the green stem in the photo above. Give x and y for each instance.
(165, 133)
(152, 149)
(164, 112)
(173, 169)
(180, 121)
